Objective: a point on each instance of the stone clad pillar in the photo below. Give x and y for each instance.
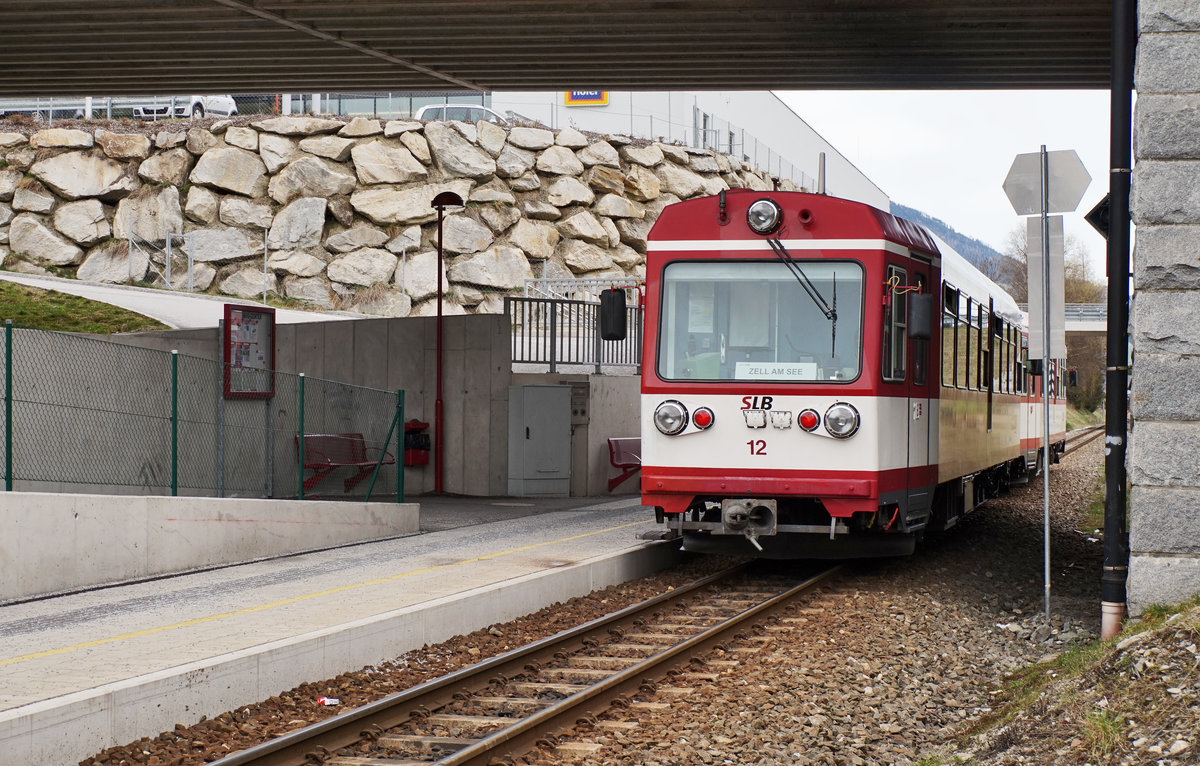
(1164, 455)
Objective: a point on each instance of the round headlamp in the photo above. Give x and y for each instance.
(670, 417)
(841, 420)
(764, 216)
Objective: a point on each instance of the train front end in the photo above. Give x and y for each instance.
(779, 418)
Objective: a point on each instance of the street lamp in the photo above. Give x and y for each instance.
(444, 201)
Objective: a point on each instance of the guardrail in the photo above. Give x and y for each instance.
(556, 332)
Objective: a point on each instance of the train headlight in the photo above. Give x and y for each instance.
(764, 216)
(841, 420)
(670, 417)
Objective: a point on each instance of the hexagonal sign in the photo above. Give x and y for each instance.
(1068, 181)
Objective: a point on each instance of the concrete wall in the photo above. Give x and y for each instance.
(1165, 404)
(60, 542)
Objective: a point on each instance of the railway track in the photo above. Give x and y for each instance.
(1082, 436)
(509, 704)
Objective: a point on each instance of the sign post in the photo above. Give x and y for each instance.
(1044, 183)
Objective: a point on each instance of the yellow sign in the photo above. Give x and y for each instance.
(586, 98)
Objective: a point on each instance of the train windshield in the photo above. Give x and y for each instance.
(739, 320)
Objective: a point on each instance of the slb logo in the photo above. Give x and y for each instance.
(757, 402)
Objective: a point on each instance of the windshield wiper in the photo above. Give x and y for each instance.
(829, 311)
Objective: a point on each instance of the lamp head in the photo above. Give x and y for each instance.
(447, 200)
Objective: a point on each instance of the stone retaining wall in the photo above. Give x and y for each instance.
(344, 207)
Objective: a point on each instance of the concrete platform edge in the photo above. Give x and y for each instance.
(65, 730)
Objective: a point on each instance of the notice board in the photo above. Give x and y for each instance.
(249, 352)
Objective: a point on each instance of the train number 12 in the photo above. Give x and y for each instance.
(757, 446)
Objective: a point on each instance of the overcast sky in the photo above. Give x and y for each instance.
(946, 153)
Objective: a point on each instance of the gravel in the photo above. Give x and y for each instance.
(887, 665)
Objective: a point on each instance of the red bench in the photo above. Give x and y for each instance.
(625, 454)
(325, 453)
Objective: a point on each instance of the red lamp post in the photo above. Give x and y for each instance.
(444, 201)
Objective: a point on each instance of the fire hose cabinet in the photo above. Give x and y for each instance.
(416, 443)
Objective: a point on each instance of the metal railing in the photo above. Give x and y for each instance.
(559, 333)
(83, 414)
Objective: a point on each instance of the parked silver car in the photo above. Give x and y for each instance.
(459, 113)
(185, 106)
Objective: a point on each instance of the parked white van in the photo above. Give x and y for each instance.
(195, 107)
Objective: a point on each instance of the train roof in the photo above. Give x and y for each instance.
(962, 274)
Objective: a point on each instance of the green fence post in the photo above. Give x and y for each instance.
(300, 443)
(8, 406)
(400, 447)
(174, 422)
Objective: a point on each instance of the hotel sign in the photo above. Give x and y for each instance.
(586, 98)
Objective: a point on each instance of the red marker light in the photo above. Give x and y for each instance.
(703, 418)
(809, 420)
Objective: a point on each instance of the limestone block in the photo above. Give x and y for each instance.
(409, 239)
(313, 290)
(339, 208)
(615, 206)
(679, 181)
(1164, 387)
(25, 267)
(243, 138)
(203, 276)
(674, 153)
(416, 143)
(584, 225)
(491, 137)
(356, 238)
(560, 161)
(83, 221)
(527, 182)
(362, 267)
(1163, 454)
(223, 243)
(384, 303)
(656, 205)
(599, 153)
(1164, 520)
(333, 148)
(61, 138)
(1167, 63)
(634, 231)
(531, 138)
(723, 164)
(8, 183)
(716, 184)
(704, 163)
(239, 211)
(21, 159)
(571, 138)
(499, 217)
(9, 140)
(6, 214)
(154, 211)
(467, 129)
(202, 205)
(494, 190)
(626, 257)
(417, 275)
(1163, 321)
(610, 228)
(450, 307)
(606, 179)
(276, 151)
(298, 126)
(361, 127)
(463, 234)
(169, 139)
(755, 181)
(646, 156)
(310, 177)
(542, 211)
(537, 240)
(454, 155)
(75, 175)
(170, 167)
(514, 162)
(555, 270)
(249, 283)
(1167, 258)
(111, 262)
(641, 184)
(32, 197)
(1161, 579)
(568, 190)
(300, 263)
(1167, 127)
(299, 225)
(580, 257)
(1168, 16)
(386, 205)
(386, 162)
(502, 267)
(28, 235)
(123, 146)
(400, 127)
(231, 169)
(200, 141)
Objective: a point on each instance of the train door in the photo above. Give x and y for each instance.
(907, 359)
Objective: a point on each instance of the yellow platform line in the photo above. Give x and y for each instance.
(305, 597)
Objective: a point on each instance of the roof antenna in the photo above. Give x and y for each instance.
(821, 173)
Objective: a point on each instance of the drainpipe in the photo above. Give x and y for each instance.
(1116, 379)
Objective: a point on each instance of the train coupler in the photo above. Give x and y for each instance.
(750, 517)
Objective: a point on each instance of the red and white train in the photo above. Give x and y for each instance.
(800, 397)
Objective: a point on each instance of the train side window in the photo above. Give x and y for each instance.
(920, 346)
(985, 349)
(964, 342)
(895, 324)
(949, 326)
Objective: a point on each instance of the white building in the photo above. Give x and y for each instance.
(754, 125)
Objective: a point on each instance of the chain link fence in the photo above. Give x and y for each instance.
(87, 415)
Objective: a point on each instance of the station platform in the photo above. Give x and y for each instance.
(87, 670)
